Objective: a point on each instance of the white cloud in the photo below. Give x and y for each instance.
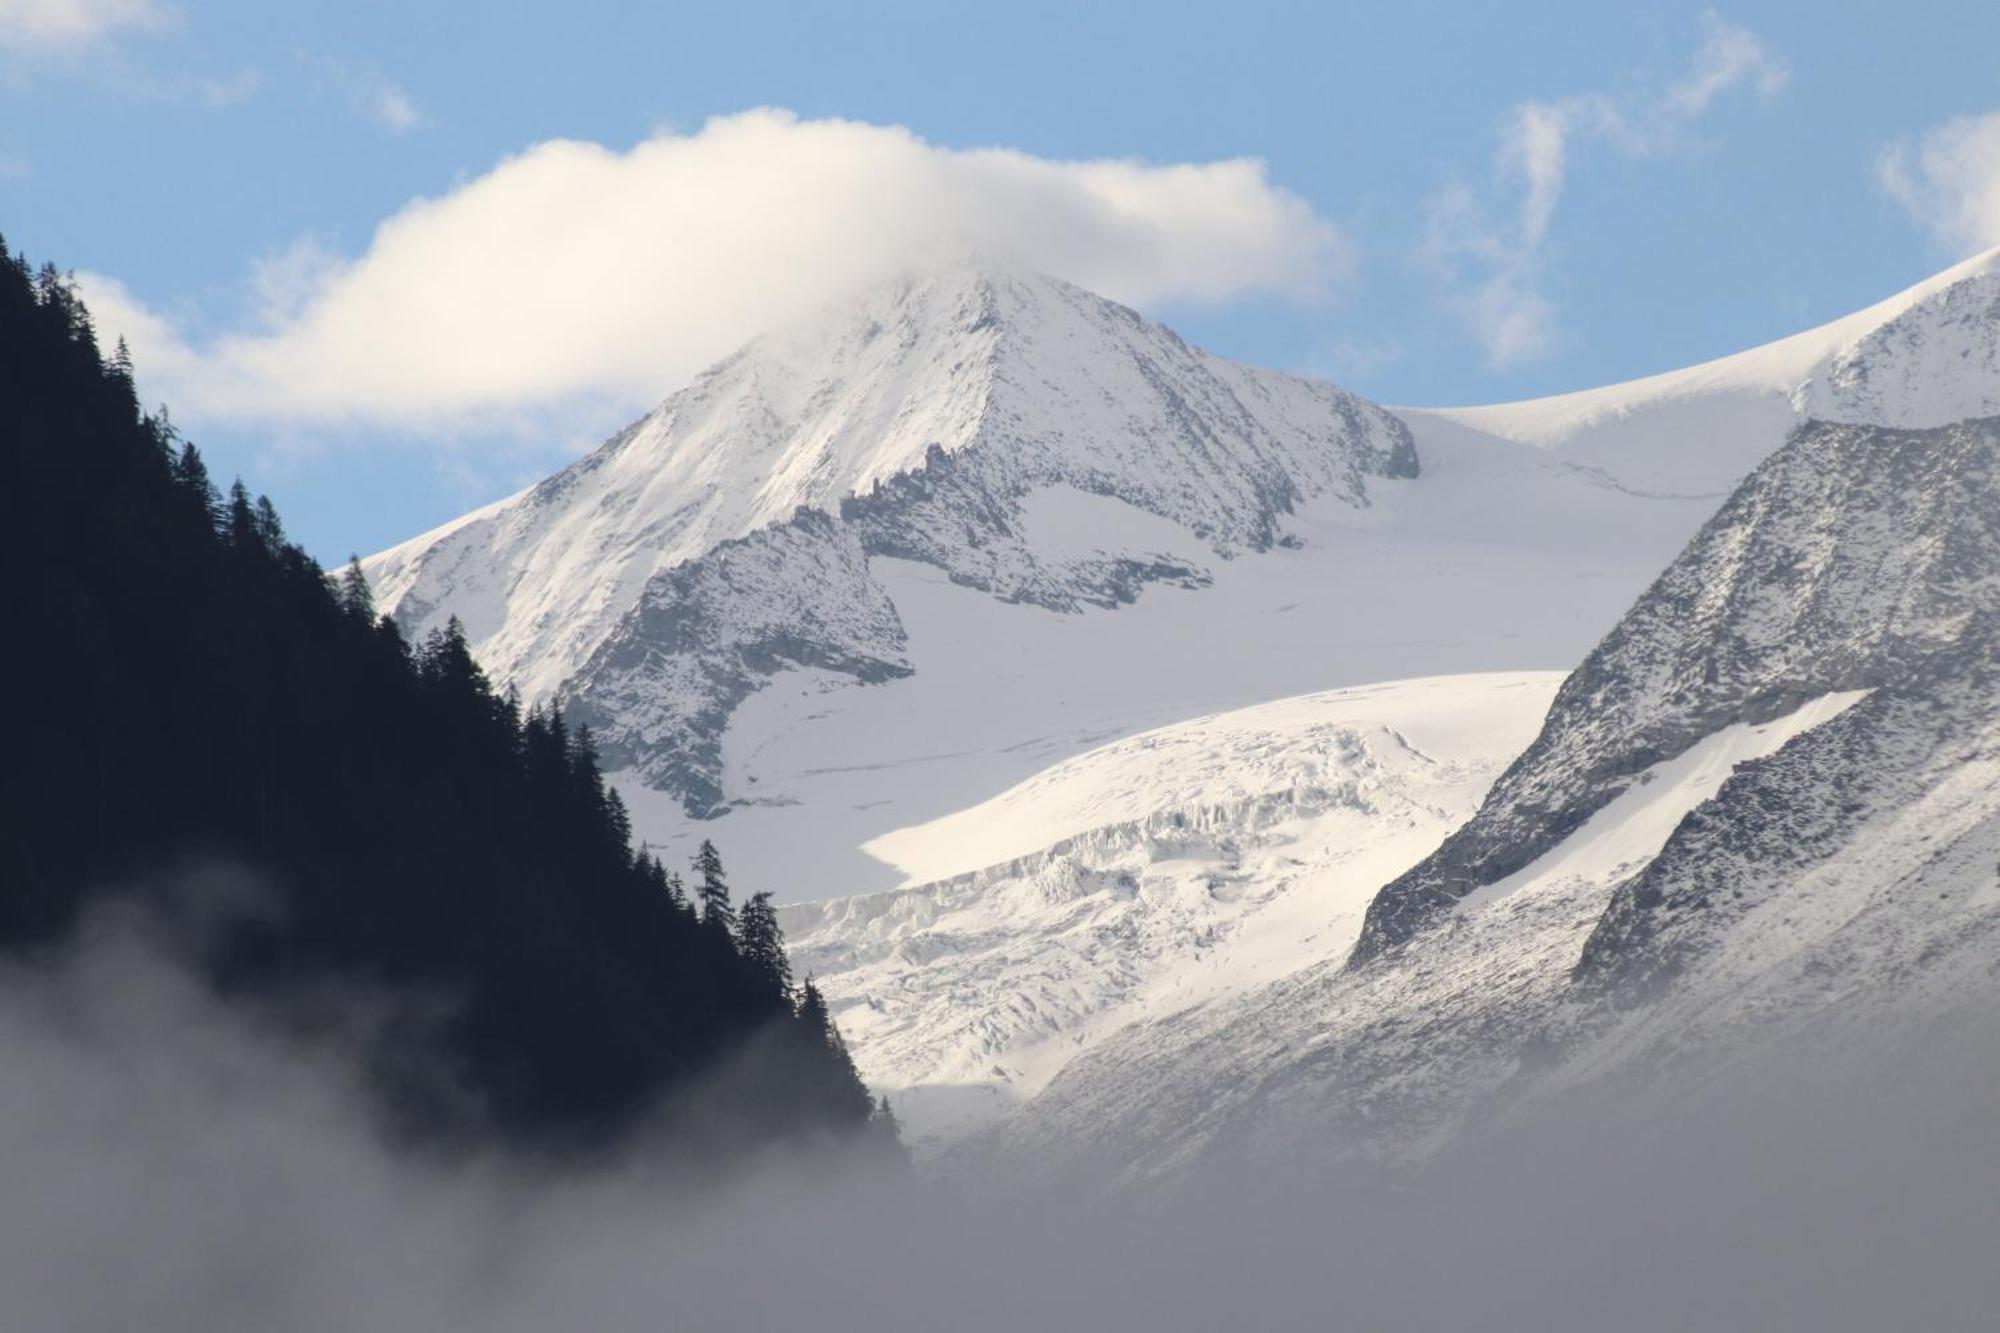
(1492, 255)
(1534, 146)
(1949, 180)
(369, 92)
(70, 24)
(575, 272)
(1729, 56)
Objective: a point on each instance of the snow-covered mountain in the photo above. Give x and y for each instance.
(970, 1002)
(920, 598)
(1763, 816)
(940, 490)
(727, 536)
(1167, 869)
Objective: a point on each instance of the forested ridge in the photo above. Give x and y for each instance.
(190, 691)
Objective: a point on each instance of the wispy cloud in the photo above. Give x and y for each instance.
(1948, 179)
(370, 93)
(229, 90)
(1729, 57)
(69, 25)
(577, 274)
(1489, 243)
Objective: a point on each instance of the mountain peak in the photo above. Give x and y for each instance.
(655, 583)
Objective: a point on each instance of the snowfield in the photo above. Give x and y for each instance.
(1164, 870)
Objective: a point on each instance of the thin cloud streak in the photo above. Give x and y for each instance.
(1489, 247)
(368, 92)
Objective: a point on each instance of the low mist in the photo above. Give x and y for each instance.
(170, 1164)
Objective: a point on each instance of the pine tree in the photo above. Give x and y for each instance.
(812, 1011)
(817, 1022)
(762, 942)
(883, 1121)
(446, 661)
(357, 599)
(240, 521)
(617, 818)
(270, 528)
(192, 473)
(118, 370)
(713, 891)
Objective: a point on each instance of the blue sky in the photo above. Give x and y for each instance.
(1458, 202)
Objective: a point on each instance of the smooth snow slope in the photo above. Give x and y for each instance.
(1161, 871)
(1927, 356)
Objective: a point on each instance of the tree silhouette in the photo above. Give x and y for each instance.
(189, 687)
(762, 943)
(713, 891)
(357, 599)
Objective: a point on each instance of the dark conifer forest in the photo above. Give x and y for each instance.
(189, 691)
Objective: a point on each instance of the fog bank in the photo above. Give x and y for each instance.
(171, 1164)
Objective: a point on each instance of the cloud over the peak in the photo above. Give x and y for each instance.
(573, 271)
(1490, 243)
(1948, 179)
(69, 24)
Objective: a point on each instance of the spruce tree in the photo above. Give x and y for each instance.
(192, 473)
(713, 890)
(240, 521)
(762, 943)
(270, 528)
(356, 598)
(843, 1084)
